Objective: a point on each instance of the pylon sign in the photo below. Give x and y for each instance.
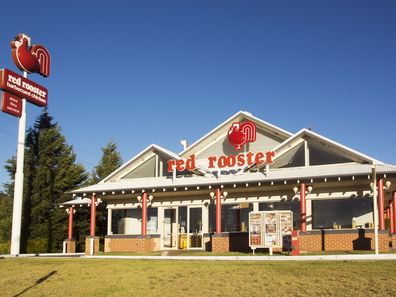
(17, 89)
(30, 59)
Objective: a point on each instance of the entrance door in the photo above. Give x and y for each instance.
(195, 236)
(170, 228)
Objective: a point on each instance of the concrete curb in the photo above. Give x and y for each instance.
(361, 257)
(255, 258)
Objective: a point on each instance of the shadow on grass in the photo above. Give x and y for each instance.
(39, 281)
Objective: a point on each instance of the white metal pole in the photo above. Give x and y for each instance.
(375, 209)
(18, 186)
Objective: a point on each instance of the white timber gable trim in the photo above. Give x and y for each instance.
(140, 158)
(221, 131)
(310, 136)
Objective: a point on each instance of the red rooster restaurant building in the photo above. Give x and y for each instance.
(200, 199)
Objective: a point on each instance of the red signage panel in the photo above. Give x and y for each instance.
(11, 104)
(23, 87)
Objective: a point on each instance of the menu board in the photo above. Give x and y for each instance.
(255, 230)
(269, 228)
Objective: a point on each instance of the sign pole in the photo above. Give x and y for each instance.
(18, 184)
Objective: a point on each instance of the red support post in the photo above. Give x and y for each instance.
(70, 233)
(394, 211)
(144, 214)
(303, 207)
(391, 217)
(218, 211)
(93, 216)
(381, 210)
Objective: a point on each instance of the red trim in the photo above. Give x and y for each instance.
(303, 208)
(70, 233)
(391, 217)
(144, 214)
(381, 209)
(218, 211)
(394, 211)
(93, 216)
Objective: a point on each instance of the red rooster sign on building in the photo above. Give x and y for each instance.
(241, 133)
(32, 59)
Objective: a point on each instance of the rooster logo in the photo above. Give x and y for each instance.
(241, 133)
(32, 59)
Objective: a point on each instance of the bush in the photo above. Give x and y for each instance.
(37, 245)
(5, 247)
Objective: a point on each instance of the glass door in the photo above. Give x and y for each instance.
(194, 228)
(170, 228)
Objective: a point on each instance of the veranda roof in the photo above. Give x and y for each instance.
(279, 174)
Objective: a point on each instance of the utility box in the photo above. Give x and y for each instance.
(295, 250)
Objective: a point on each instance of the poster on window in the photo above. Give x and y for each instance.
(255, 229)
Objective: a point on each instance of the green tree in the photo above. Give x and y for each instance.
(110, 161)
(55, 172)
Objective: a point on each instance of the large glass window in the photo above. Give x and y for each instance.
(152, 220)
(129, 221)
(234, 217)
(341, 212)
(294, 206)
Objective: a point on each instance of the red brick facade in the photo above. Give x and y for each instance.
(394, 240)
(220, 243)
(70, 246)
(88, 244)
(342, 240)
(132, 243)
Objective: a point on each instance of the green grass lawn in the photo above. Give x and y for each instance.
(101, 277)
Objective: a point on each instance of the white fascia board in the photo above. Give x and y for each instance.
(247, 115)
(147, 149)
(305, 131)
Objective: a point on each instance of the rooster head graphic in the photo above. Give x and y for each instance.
(241, 133)
(30, 58)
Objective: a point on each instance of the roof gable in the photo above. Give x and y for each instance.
(218, 135)
(148, 163)
(321, 150)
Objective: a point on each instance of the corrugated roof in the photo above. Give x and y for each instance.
(320, 171)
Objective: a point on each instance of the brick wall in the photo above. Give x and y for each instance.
(88, 243)
(70, 246)
(342, 240)
(220, 242)
(393, 240)
(132, 243)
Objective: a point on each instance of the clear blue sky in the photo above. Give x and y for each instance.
(143, 72)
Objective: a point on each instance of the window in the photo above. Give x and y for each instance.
(341, 212)
(294, 206)
(129, 221)
(152, 220)
(234, 217)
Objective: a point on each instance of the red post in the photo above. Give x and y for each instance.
(394, 211)
(303, 208)
(70, 233)
(381, 219)
(391, 217)
(218, 211)
(144, 214)
(93, 216)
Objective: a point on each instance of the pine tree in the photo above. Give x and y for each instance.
(55, 173)
(111, 160)
(6, 208)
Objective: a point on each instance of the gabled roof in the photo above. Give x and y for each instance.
(305, 134)
(240, 115)
(152, 147)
